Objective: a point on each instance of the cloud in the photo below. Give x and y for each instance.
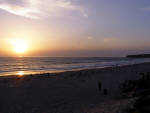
(90, 38)
(17, 10)
(109, 40)
(37, 8)
(146, 9)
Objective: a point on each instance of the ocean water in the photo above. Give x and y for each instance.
(32, 65)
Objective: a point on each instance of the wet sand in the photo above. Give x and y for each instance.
(68, 92)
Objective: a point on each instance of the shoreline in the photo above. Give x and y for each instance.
(75, 70)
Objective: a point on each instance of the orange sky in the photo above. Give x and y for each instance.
(75, 28)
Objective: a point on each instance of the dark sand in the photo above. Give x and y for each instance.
(68, 92)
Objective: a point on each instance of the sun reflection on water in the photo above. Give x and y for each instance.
(20, 73)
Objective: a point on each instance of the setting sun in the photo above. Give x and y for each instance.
(20, 46)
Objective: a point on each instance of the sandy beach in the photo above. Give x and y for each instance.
(68, 92)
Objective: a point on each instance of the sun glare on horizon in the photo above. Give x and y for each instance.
(20, 46)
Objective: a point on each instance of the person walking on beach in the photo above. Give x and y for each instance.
(105, 92)
(99, 85)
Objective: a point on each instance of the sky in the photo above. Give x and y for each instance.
(75, 27)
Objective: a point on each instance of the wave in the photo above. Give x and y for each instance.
(49, 64)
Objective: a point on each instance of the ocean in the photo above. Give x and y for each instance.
(33, 65)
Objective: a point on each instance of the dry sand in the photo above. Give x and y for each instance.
(68, 92)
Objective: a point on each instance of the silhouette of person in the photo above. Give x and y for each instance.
(105, 92)
(99, 85)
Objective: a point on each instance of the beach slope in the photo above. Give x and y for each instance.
(68, 92)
